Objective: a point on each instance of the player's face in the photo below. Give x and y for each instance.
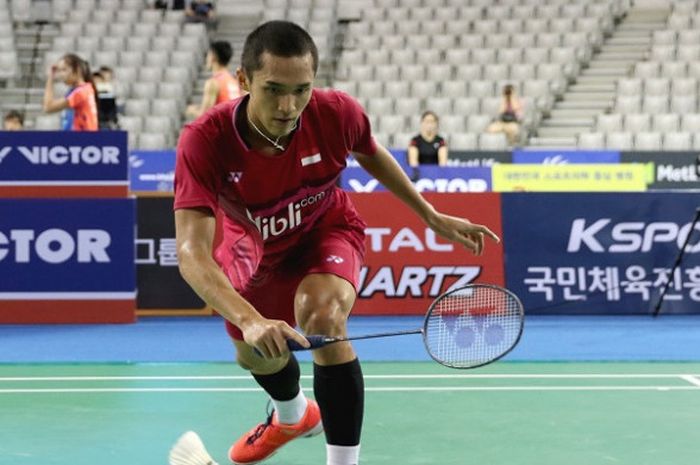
(12, 124)
(279, 92)
(429, 124)
(65, 73)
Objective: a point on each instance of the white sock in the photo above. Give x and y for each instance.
(290, 412)
(342, 455)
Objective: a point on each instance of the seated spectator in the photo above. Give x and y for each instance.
(222, 86)
(106, 103)
(200, 11)
(13, 121)
(509, 116)
(79, 105)
(427, 148)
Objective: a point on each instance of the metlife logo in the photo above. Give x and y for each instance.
(601, 253)
(72, 158)
(671, 170)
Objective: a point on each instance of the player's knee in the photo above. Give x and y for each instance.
(249, 360)
(326, 316)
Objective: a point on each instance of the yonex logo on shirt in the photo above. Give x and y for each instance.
(334, 259)
(234, 176)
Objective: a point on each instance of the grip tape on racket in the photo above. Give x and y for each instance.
(315, 341)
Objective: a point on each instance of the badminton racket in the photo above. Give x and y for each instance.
(466, 327)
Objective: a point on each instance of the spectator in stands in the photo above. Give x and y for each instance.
(222, 86)
(112, 86)
(106, 103)
(201, 11)
(13, 121)
(509, 116)
(427, 148)
(169, 4)
(79, 106)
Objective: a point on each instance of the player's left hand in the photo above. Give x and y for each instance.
(463, 231)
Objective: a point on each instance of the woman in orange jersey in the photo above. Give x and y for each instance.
(222, 86)
(79, 106)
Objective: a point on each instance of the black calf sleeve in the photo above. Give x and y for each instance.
(340, 392)
(283, 385)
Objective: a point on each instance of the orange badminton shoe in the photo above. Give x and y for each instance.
(265, 439)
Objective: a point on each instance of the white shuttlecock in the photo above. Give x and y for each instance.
(190, 450)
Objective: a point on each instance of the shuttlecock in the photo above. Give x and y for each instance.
(190, 450)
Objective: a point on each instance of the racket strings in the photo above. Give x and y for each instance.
(474, 326)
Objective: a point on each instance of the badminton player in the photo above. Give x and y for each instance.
(292, 241)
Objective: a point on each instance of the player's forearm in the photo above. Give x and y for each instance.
(210, 284)
(387, 171)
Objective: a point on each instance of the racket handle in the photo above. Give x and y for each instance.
(316, 342)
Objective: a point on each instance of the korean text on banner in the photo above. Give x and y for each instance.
(569, 178)
(407, 265)
(601, 253)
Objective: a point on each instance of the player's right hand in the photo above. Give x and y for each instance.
(270, 337)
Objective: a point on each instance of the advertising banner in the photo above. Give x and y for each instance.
(152, 171)
(161, 288)
(671, 170)
(407, 266)
(67, 260)
(569, 178)
(565, 157)
(478, 158)
(429, 178)
(601, 253)
(63, 164)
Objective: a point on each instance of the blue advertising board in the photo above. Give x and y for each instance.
(601, 253)
(561, 157)
(67, 249)
(152, 170)
(45, 158)
(427, 178)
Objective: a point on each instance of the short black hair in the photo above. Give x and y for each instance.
(14, 114)
(429, 113)
(279, 38)
(222, 51)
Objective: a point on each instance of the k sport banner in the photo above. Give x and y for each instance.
(407, 265)
(63, 163)
(601, 253)
(67, 260)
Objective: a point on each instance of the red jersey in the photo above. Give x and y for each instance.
(228, 87)
(270, 202)
(82, 101)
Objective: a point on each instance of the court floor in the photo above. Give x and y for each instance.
(417, 413)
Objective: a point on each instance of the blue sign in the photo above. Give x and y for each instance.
(427, 178)
(561, 157)
(67, 248)
(601, 253)
(63, 158)
(152, 170)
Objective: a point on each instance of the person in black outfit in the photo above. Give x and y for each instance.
(427, 148)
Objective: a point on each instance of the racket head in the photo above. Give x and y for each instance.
(473, 325)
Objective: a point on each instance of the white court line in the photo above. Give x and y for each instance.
(369, 389)
(398, 376)
(692, 380)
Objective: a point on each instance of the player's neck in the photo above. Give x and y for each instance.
(428, 136)
(217, 68)
(254, 139)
